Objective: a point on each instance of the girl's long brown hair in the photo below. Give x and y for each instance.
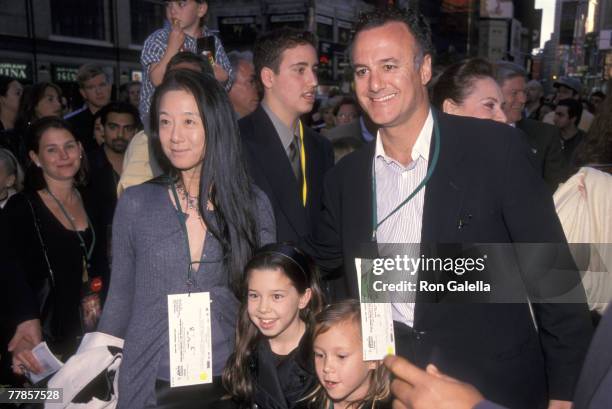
(332, 315)
(303, 274)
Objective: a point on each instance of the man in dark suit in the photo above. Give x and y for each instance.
(544, 140)
(482, 188)
(287, 160)
(430, 389)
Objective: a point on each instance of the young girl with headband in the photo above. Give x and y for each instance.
(271, 366)
(345, 379)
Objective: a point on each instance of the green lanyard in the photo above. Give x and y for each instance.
(86, 252)
(191, 282)
(375, 223)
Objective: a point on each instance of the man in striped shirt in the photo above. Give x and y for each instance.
(430, 179)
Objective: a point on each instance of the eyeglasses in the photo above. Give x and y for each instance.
(348, 116)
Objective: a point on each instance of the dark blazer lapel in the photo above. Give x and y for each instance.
(444, 192)
(356, 211)
(359, 202)
(443, 199)
(311, 158)
(272, 160)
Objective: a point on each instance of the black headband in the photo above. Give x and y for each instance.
(289, 252)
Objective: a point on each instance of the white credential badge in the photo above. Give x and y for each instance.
(190, 339)
(376, 325)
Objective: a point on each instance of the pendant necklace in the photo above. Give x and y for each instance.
(191, 201)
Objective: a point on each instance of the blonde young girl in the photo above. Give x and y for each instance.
(345, 379)
(11, 176)
(271, 366)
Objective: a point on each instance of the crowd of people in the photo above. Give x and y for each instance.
(226, 173)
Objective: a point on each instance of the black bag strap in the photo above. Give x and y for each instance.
(42, 243)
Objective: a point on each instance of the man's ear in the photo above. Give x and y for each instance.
(82, 92)
(267, 77)
(425, 70)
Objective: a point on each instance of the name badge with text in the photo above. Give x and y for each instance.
(190, 339)
(376, 324)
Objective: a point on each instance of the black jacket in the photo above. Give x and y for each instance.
(484, 190)
(547, 156)
(271, 171)
(283, 385)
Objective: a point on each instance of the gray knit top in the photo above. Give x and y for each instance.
(149, 262)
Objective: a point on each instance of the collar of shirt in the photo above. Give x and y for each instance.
(285, 134)
(419, 150)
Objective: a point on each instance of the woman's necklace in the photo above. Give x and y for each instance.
(191, 201)
(62, 206)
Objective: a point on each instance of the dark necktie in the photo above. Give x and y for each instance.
(294, 158)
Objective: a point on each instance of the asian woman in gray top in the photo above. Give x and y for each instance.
(221, 214)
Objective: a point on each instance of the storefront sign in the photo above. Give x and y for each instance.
(19, 71)
(63, 73)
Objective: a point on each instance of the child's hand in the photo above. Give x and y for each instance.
(177, 37)
(220, 74)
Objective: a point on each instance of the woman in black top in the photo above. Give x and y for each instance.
(51, 243)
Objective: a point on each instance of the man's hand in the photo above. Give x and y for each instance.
(176, 38)
(220, 74)
(559, 404)
(417, 389)
(27, 336)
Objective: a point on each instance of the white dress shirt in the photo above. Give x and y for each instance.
(394, 183)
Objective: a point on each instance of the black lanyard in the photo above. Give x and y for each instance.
(86, 252)
(191, 283)
(434, 162)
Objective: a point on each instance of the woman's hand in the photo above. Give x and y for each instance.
(27, 336)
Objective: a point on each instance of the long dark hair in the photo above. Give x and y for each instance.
(332, 315)
(302, 272)
(223, 177)
(31, 97)
(34, 179)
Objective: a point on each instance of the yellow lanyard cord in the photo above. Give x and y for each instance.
(303, 164)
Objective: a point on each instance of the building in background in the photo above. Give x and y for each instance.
(581, 40)
(493, 29)
(47, 40)
(239, 22)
